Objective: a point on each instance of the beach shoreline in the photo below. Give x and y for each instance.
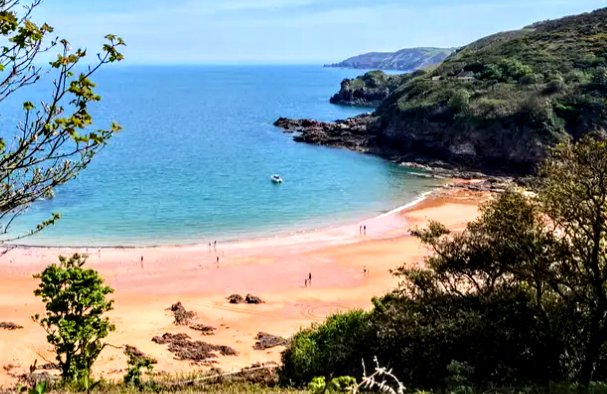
(250, 237)
(201, 278)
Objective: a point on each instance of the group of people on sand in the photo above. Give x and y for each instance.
(214, 246)
(362, 229)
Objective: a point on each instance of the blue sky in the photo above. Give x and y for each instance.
(289, 31)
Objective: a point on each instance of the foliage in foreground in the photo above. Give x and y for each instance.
(518, 298)
(53, 141)
(75, 302)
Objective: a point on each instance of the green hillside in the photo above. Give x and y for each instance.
(500, 101)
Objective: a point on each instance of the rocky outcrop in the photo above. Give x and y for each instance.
(425, 148)
(368, 90)
(204, 329)
(352, 133)
(10, 326)
(184, 348)
(248, 299)
(181, 315)
(266, 341)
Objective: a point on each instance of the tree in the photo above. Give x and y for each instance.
(482, 298)
(75, 302)
(553, 247)
(574, 195)
(54, 140)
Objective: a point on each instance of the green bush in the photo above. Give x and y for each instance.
(333, 348)
(136, 363)
(507, 70)
(460, 101)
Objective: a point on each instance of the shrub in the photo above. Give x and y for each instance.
(333, 348)
(460, 101)
(599, 76)
(555, 85)
(136, 363)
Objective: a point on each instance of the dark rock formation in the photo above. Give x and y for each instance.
(248, 299)
(182, 316)
(251, 299)
(205, 330)
(197, 351)
(350, 133)
(268, 341)
(235, 299)
(9, 326)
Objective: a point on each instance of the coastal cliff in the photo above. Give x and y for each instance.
(496, 104)
(370, 89)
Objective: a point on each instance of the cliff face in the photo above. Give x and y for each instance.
(500, 102)
(409, 59)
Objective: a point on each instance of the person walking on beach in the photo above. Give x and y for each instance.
(217, 259)
(141, 262)
(310, 279)
(306, 282)
(215, 245)
(365, 229)
(365, 271)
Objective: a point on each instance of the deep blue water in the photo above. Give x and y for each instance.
(195, 156)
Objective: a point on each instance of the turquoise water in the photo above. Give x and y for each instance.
(195, 156)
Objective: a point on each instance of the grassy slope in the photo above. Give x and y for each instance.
(530, 88)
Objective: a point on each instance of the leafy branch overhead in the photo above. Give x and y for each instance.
(55, 139)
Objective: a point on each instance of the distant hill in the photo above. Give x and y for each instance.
(409, 59)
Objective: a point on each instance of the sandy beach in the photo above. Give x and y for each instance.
(273, 269)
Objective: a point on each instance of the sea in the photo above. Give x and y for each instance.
(194, 159)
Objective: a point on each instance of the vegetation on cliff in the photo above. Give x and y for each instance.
(408, 59)
(500, 101)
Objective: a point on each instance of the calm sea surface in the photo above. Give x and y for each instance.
(195, 156)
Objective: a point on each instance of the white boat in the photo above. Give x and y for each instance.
(276, 178)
